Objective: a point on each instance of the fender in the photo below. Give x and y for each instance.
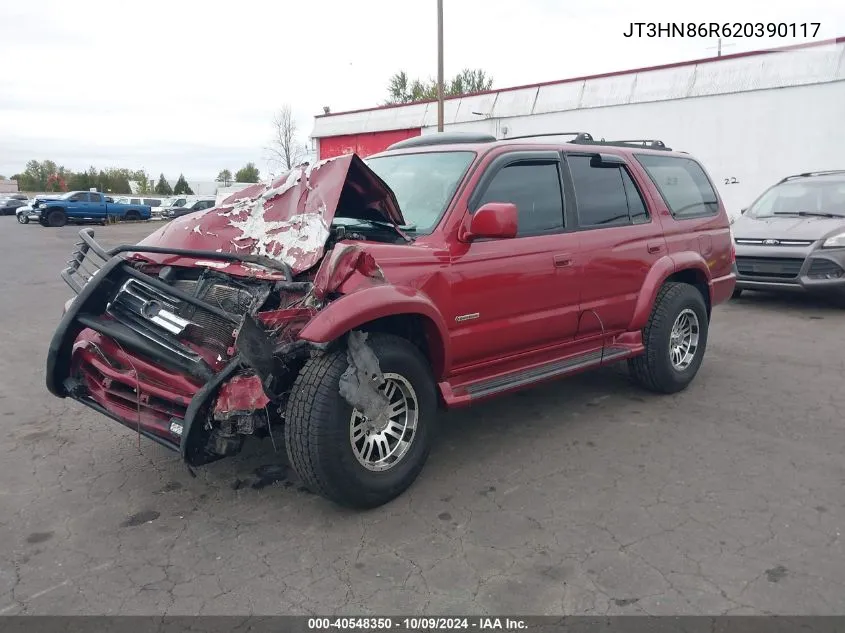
(375, 302)
(662, 269)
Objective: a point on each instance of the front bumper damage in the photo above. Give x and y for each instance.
(164, 387)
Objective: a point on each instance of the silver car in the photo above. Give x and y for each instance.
(792, 238)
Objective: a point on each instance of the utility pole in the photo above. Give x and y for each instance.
(718, 47)
(439, 65)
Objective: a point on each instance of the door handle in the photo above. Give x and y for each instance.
(562, 261)
(655, 247)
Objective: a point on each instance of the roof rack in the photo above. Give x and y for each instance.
(584, 138)
(579, 136)
(443, 138)
(643, 143)
(806, 174)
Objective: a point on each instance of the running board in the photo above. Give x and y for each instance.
(543, 372)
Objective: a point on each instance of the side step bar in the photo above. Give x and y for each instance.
(523, 378)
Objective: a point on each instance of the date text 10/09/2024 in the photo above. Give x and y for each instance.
(418, 623)
(722, 29)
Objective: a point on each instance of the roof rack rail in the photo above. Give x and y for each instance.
(582, 136)
(443, 138)
(806, 174)
(644, 143)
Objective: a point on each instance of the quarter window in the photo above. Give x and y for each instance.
(606, 196)
(535, 190)
(683, 184)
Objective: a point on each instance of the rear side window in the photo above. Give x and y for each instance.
(683, 184)
(606, 196)
(534, 187)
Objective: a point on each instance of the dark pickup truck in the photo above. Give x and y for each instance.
(86, 206)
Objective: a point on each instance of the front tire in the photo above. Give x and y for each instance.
(56, 218)
(675, 340)
(325, 437)
(23, 219)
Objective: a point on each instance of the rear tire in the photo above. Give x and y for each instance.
(132, 216)
(320, 426)
(56, 218)
(667, 366)
(737, 293)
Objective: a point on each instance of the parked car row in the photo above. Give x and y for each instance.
(90, 206)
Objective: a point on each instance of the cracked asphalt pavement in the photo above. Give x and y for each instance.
(583, 496)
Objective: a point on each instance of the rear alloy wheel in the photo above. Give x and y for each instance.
(342, 455)
(56, 218)
(675, 340)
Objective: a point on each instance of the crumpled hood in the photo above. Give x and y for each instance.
(288, 220)
(787, 227)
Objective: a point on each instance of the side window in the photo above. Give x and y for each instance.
(534, 188)
(93, 197)
(682, 183)
(79, 197)
(136, 201)
(600, 192)
(636, 206)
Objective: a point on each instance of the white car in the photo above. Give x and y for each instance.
(27, 213)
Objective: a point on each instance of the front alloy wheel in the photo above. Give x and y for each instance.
(378, 447)
(346, 457)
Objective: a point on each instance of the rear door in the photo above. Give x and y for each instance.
(620, 242)
(96, 205)
(516, 295)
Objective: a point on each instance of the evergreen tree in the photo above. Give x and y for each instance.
(163, 187)
(182, 187)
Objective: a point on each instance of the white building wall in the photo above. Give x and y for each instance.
(755, 137)
(754, 118)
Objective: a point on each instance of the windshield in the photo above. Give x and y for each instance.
(423, 183)
(801, 198)
(174, 202)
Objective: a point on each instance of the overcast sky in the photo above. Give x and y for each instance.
(190, 86)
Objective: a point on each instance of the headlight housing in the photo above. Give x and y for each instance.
(835, 241)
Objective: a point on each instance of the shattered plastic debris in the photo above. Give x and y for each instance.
(359, 384)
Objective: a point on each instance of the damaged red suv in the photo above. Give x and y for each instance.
(348, 301)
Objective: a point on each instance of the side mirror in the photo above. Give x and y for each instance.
(491, 220)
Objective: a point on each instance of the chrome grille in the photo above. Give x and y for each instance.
(209, 329)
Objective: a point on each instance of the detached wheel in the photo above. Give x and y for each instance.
(338, 452)
(56, 218)
(675, 340)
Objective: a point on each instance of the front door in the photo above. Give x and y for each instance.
(516, 295)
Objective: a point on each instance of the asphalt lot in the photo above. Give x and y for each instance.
(585, 496)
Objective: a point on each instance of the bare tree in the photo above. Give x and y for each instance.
(285, 148)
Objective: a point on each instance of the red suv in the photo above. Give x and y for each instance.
(349, 300)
